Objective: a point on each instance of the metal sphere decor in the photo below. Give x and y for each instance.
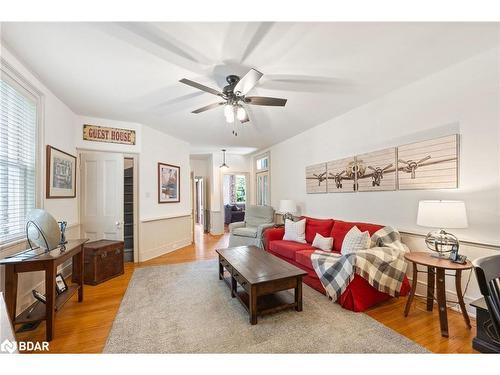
(441, 242)
(42, 230)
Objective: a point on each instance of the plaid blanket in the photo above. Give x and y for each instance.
(382, 265)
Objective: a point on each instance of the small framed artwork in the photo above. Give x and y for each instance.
(60, 174)
(61, 286)
(169, 184)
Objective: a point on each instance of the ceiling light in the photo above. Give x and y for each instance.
(241, 113)
(229, 113)
(224, 165)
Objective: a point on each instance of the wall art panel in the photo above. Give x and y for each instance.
(376, 171)
(341, 175)
(431, 164)
(316, 180)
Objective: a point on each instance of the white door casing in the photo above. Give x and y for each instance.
(101, 211)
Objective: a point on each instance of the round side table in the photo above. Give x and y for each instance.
(436, 272)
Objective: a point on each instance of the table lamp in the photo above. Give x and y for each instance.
(287, 208)
(442, 215)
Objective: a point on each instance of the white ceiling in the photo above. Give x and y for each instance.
(130, 71)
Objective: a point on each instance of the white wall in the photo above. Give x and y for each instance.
(463, 99)
(199, 166)
(160, 147)
(58, 131)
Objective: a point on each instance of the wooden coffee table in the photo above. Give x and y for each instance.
(263, 280)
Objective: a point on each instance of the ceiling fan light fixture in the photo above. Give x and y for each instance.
(241, 113)
(229, 113)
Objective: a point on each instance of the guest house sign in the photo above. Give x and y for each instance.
(109, 135)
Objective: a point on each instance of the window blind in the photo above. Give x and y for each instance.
(18, 128)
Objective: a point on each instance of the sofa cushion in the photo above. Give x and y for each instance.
(245, 232)
(355, 240)
(295, 230)
(340, 229)
(323, 243)
(288, 249)
(321, 226)
(257, 215)
(303, 257)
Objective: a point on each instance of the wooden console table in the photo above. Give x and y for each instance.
(436, 273)
(37, 260)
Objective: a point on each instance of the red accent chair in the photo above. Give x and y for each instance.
(359, 294)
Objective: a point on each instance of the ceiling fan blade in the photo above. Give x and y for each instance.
(306, 83)
(207, 107)
(248, 82)
(201, 87)
(265, 100)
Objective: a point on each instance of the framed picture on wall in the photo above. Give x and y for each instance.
(431, 164)
(169, 183)
(60, 174)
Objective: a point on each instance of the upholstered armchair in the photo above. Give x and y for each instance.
(249, 232)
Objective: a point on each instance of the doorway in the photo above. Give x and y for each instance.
(108, 203)
(128, 209)
(200, 216)
(234, 196)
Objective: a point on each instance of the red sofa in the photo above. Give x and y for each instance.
(359, 295)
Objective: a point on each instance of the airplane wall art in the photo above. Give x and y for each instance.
(431, 164)
(316, 179)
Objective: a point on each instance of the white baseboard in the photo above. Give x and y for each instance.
(163, 249)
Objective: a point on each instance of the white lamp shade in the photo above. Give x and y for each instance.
(442, 214)
(287, 206)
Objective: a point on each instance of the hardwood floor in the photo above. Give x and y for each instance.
(84, 328)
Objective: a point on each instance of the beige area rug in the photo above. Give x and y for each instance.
(185, 308)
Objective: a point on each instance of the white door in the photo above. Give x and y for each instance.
(101, 211)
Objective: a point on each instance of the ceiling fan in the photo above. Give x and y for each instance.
(234, 96)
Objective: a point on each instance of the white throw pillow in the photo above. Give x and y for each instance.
(295, 231)
(323, 243)
(355, 240)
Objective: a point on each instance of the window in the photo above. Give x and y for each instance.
(18, 149)
(262, 165)
(234, 188)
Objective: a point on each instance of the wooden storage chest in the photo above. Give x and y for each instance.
(103, 260)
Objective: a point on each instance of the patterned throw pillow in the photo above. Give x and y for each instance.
(323, 243)
(355, 240)
(295, 231)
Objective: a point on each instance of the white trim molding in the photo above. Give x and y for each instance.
(165, 217)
